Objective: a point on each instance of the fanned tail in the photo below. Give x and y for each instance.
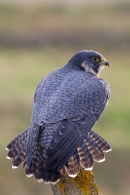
(16, 149)
(92, 148)
(38, 168)
(16, 152)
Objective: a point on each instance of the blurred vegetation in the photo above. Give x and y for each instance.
(33, 42)
(62, 25)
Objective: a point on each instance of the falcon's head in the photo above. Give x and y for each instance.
(89, 60)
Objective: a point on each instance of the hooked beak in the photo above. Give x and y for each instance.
(104, 62)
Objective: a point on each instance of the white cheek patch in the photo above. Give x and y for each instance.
(88, 69)
(100, 69)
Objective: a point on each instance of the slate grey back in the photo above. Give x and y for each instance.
(67, 104)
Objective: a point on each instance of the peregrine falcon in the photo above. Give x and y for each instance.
(67, 103)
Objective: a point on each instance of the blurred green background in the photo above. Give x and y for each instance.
(37, 37)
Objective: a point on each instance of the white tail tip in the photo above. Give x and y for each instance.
(40, 180)
(108, 150)
(73, 175)
(88, 169)
(29, 175)
(53, 183)
(47, 182)
(14, 167)
(8, 157)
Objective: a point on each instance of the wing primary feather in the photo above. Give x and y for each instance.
(54, 153)
(60, 155)
(31, 141)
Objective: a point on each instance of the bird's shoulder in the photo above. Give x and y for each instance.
(65, 93)
(105, 85)
(69, 82)
(59, 78)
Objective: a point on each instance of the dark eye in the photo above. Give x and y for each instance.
(95, 59)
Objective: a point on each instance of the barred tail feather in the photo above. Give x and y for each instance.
(86, 160)
(21, 137)
(96, 155)
(16, 152)
(39, 170)
(92, 148)
(102, 143)
(72, 167)
(16, 149)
